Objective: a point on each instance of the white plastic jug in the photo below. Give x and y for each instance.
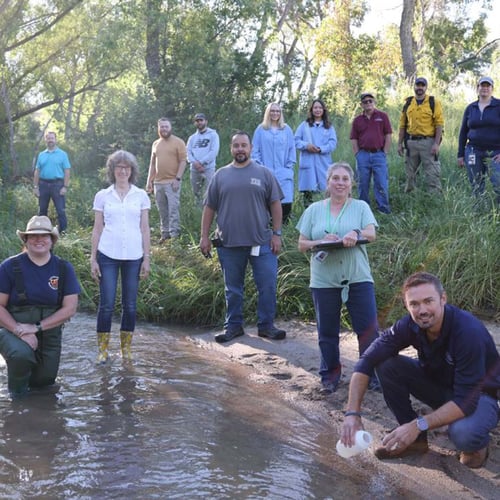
(362, 440)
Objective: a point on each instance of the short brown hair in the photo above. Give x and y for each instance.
(422, 278)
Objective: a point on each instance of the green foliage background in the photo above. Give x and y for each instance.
(105, 71)
(447, 235)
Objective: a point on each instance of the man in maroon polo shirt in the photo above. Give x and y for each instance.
(371, 140)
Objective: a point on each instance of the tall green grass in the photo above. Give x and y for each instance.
(447, 235)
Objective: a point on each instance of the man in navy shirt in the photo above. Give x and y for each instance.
(456, 373)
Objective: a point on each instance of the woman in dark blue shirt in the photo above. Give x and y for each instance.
(38, 294)
(479, 140)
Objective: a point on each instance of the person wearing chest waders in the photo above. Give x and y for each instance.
(38, 294)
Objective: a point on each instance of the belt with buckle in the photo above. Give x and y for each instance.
(420, 137)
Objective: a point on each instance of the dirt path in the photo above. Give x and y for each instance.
(291, 365)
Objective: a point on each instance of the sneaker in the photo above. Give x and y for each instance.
(330, 381)
(474, 459)
(229, 335)
(273, 333)
(418, 447)
(329, 387)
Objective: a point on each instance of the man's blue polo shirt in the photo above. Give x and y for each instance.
(52, 164)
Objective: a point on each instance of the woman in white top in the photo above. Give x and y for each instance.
(120, 244)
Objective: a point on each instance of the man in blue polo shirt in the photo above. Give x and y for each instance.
(456, 373)
(51, 179)
(371, 140)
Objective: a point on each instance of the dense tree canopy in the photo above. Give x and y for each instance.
(101, 72)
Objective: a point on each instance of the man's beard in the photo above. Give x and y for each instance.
(165, 135)
(240, 158)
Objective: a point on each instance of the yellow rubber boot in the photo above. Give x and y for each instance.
(126, 344)
(103, 345)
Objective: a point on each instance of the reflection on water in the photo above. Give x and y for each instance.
(171, 424)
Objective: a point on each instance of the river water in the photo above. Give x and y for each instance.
(171, 424)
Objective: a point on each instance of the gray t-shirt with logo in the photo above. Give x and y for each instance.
(242, 198)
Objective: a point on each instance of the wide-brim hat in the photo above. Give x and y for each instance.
(39, 224)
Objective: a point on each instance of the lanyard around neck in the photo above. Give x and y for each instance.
(331, 229)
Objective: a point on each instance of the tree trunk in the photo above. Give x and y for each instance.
(406, 39)
(12, 150)
(153, 16)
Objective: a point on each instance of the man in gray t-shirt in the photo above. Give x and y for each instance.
(246, 198)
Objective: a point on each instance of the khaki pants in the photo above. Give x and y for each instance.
(419, 153)
(168, 201)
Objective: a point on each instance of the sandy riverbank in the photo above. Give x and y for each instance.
(291, 366)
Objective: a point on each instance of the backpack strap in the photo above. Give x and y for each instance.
(432, 104)
(60, 284)
(19, 280)
(405, 109)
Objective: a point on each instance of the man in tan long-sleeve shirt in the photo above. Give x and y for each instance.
(167, 165)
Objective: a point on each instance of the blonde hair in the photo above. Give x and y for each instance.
(266, 122)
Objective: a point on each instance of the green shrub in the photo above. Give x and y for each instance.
(447, 235)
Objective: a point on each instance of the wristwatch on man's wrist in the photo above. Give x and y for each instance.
(39, 328)
(422, 424)
(277, 232)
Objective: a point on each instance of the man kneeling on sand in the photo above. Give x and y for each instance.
(457, 374)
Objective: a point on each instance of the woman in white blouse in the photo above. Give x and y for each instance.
(120, 245)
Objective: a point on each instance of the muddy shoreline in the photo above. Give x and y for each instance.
(290, 366)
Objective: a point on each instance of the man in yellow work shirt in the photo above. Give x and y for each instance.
(420, 131)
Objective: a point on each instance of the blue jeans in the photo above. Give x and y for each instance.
(129, 270)
(52, 190)
(234, 262)
(402, 376)
(362, 309)
(478, 170)
(368, 165)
